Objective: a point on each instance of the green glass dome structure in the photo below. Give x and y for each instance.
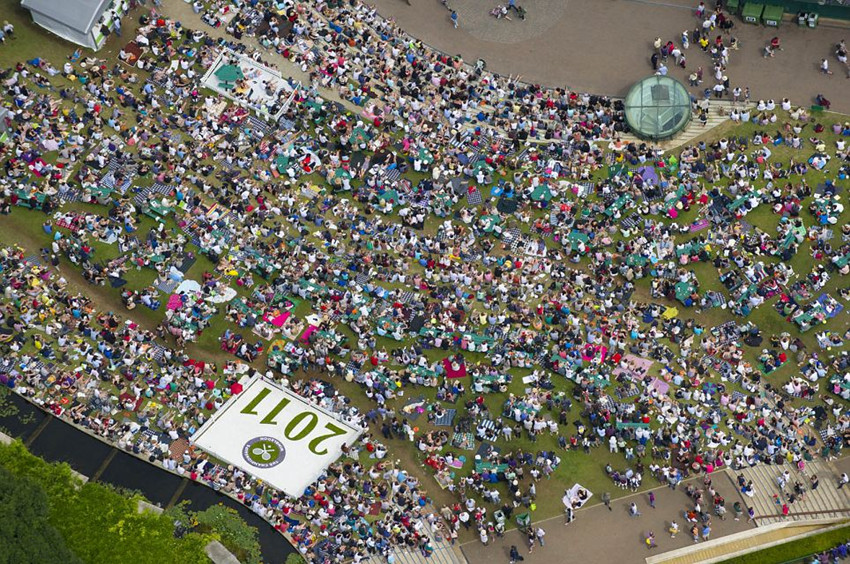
(657, 107)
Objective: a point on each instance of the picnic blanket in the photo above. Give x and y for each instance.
(660, 386)
(831, 307)
(451, 372)
(576, 496)
(188, 286)
(634, 366)
(485, 449)
(414, 408)
(466, 441)
(589, 352)
(447, 418)
(174, 302)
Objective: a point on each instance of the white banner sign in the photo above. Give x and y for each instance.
(275, 435)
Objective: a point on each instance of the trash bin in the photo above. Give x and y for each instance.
(813, 19)
(802, 19)
(751, 13)
(772, 15)
(732, 6)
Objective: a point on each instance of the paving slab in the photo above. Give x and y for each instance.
(603, 47)
(600, 535)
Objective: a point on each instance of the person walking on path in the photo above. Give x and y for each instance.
(540, 534)
(674, 529)
(652, 499)
(116, 24)
(824, 67)
(570, 514)
(606, 499)
(738, 509)
(515, 555)
(633, 510)
(843, 480)
(650, 541)
(751, 514)
(454, 18)
(531, 538)
(815, 482)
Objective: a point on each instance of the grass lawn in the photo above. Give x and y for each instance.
(24, 227)
(796, 551)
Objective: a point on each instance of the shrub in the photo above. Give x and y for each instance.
(233, 532)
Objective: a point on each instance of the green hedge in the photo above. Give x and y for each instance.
(795, 549)
(97, 523)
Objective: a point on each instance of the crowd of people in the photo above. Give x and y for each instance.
(413, 225)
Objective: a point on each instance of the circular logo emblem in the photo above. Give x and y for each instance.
(263, 452)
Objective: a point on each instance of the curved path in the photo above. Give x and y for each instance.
(603, 46)
(57, 441)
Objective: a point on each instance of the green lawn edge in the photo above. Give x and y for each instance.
(795, 549)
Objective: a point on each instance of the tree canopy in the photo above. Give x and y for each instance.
(26, 534)
(98, 523)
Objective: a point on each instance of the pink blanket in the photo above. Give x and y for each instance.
(660, 386)
(174, 302)
(590, 352)
(306, 336)
(277, 321)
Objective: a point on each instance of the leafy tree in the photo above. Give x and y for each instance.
(235, 534)
(98, 523)
(294, 558)
(124, 534)
(26, 534)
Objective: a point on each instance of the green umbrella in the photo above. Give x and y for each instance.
(490, 222)
(282, 163)
(389, 195)
(578, 237)
(342, 173)
(542, 193)
(360, 135)
(229, 73)
(481, 164)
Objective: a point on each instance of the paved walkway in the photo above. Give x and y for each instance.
(604, 46)
(597, 534)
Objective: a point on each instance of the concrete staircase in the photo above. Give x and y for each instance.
(444, 551)
(718, 113)
(827, 501)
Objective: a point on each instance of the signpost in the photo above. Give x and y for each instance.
(275, 435)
